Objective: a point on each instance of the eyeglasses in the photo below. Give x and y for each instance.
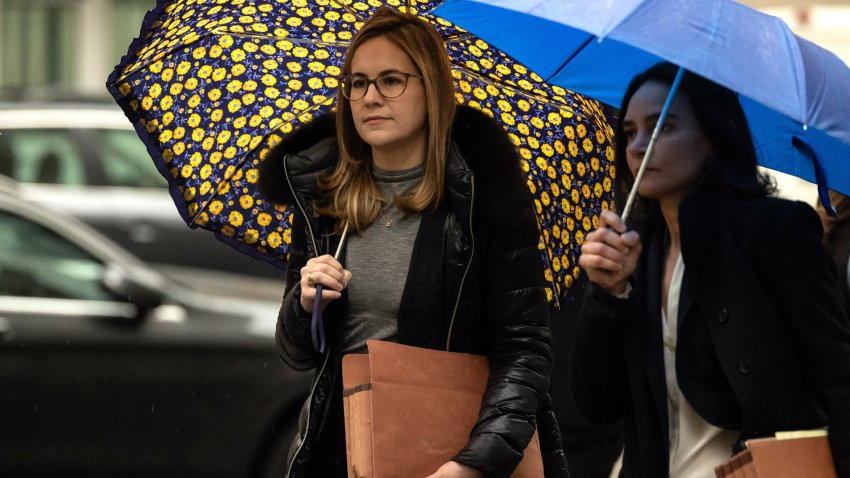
(389, 85)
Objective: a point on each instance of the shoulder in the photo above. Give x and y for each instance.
(776, 215)
(314, 149)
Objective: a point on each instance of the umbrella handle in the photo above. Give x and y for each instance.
(317, 325)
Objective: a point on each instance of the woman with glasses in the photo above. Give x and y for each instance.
(441, 250)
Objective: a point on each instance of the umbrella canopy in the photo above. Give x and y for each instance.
(212, 86)
(795, 94)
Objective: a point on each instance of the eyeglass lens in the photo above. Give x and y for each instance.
(389, 85)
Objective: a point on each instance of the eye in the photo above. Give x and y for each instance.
(629, 134)
(391, 79)
(358, 82)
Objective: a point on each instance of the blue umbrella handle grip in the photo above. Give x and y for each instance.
(317, 326)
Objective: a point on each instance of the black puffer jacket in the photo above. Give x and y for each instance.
(475, 285)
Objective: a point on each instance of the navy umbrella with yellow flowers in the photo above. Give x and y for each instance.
(212, 85)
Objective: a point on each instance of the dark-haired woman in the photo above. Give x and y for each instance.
(714, 317)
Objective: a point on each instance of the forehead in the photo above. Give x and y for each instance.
(649, 98)
(379, 54)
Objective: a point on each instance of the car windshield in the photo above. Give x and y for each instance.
(98, 157)
(36, 262)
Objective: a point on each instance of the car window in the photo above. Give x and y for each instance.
(41, 156)
(37, 262)
(125, 162)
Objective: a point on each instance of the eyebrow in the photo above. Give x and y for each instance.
(653, 117)
(391, 70)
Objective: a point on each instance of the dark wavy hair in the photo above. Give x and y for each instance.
(722, 121)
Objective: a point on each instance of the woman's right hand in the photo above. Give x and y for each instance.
(609, 254)
(323, 270)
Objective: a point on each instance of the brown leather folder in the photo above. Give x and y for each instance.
(808, 457)
(408, 410)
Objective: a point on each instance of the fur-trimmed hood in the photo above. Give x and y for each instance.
(483, 147)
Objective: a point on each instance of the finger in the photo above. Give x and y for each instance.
(610, 219)
(609, 238)
(600, 263)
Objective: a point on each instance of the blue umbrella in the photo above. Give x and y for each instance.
(796, 94)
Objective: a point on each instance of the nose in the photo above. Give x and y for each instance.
(372, 96)
(636, 146)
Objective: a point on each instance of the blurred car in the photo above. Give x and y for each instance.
(85, 159)
(109, 369)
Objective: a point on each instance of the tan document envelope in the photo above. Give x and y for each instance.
(408, 410)
(786, 458)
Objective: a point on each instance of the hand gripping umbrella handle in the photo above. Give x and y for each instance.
(317, 325)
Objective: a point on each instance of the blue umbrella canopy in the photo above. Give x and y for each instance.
(795, 93)
(212, 86)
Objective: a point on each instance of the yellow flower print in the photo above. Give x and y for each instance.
(300, 105)
(124, 89)
(570, 132)
(565, 178)
(219, 74)
(214, 94)
(249, 98)
(556, 266)
(547, 150)
(147, 102)
(293, 66)
(215, 157)
(486, 63)
(319, 22)
(197, 135)
(502, 104)
(255, 121)
(556, 191)
(239, 122)
(237, 69)
(166, 102)
(155, 90)
(600, 136)
(507, 118)
(251, 236)
(597, 190)
(571, 224)
(189, 193)
(541, 164)
(246, 201)
(165, 136)
(474, 50)
(216, 207)
(343, 36)
(264, 219)
(243, 140)
(332, 16)
(234, 105)
(533, 143)
(216, 115)
(464, 86)
(585, 191)
(206, 170)
(606, 184)
(586, 223)
(304, 12)
(595, 222)
(215, 51)
(520, 69)
(223, 137)
(206, 186)
(186, 171)
(234, 86)
(205, 71)
(609, 153)
(582, 131)
(179, 132)
(294, 84)
(225, 41)
(523, 129)
(156, 67)
(207, 144)
(537, 122)
(579, 214)
(191, 83)
(504, 70)
(175, 89)
(523, 164)
(587, 145)
(151, 125)
(179, 148)
(230, 152)
(300, 52)
(565, 205)
(270, 65)
(268, 80)
(314, 83)
(332, 70)
(235, 218)
(525, 153)
(535, 77)
(573, 148)
(559, 147)
(472, 65)
(574, 195)
(538, 207)
(552, 174)
(523, 105)
(274, 240)
(525, 85)
(293, 21)
(328, 37)
(531, 186)
(594, 163)
(252, 175)
(514, 138)
(259, 28)
(581, 169)
(249, 10)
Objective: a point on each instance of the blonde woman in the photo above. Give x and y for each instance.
(441, 250)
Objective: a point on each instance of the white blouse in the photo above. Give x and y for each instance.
(696, 446)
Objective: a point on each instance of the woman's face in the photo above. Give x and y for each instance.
(392, 126)
(681, 150)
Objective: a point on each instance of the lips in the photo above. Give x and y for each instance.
(374, 119)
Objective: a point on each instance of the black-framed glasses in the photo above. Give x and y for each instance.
(389, 85)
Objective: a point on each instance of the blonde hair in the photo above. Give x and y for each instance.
(349, 193)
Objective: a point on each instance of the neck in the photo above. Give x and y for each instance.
(399, 157)
(670, 212)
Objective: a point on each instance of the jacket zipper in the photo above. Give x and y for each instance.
(327, 354)
(468, 265)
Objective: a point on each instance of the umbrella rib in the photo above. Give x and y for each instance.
(570, 58)
(518, 91)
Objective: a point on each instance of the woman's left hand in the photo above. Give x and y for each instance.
(454, 469)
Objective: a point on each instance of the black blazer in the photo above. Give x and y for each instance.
(763, 340)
